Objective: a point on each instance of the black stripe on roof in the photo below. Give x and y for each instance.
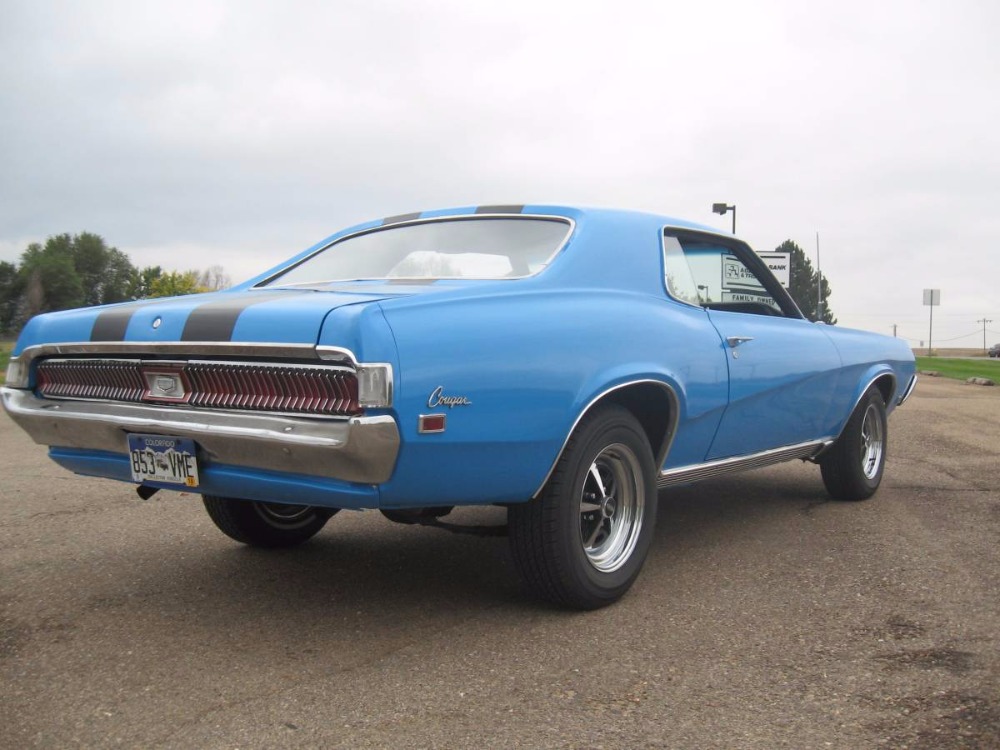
(401, 217)
(111, 325)
(511, 209)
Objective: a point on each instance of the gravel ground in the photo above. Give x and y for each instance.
(767, 617)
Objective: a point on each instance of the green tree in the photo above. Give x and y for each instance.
(49, 278)
(174, 283)
(802, 284)
(11, 287)
(105, 272)
(141, 283)
(70, 271)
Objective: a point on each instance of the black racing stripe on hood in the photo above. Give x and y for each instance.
(511, 209)
(215, 321)
(400, 218)
(111, 325)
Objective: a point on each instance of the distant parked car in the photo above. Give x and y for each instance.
(994, 350)
(559, 362)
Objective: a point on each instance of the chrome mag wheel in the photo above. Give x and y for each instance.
(582, 541)
(612, 506)
(852, 467)
(872, 442)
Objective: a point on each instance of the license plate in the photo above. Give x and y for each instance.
(169, 460)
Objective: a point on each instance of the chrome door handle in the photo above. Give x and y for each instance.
(735, 341)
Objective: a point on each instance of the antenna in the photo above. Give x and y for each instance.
(819, 285)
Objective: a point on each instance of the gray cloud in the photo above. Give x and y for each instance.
(189, 134)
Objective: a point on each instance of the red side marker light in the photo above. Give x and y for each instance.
(431, 423)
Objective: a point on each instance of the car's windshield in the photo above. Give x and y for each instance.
(457, 248)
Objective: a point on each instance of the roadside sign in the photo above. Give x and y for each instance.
(780, 265)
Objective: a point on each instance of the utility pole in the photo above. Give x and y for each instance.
(984, 321)
(894, 330)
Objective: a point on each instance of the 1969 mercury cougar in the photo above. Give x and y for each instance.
(561, 362)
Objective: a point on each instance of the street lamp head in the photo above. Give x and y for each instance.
(719, 208)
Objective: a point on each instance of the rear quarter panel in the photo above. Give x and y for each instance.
(529, 361)
(866, 356)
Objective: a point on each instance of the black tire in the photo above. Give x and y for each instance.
(852, 468)
(574, 548)
(266, 524)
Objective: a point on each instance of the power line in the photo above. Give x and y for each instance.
(956, 338)
(984, 321)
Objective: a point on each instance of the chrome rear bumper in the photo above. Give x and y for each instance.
(362, 449)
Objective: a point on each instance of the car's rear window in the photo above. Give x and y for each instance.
(454, 248)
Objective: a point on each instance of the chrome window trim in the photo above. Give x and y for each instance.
(663, 269)
(731, 241)
(429, 220)
(667, 443)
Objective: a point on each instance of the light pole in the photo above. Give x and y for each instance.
(984, 321)
(721, 209)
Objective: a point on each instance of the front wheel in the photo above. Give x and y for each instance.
(582, 542)
(265, 524)
(852, 468)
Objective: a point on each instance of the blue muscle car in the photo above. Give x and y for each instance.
(563, 363)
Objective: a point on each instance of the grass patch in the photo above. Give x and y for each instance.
(5, 347)
(961, 369)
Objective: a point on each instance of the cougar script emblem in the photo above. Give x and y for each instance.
(437, 398)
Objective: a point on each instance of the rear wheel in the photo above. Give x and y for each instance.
(583, 541)
(266, 524)
(852, 468)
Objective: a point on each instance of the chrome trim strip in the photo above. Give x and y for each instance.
(173, 348)
(430, 219)
(181, 362)
(908, 391)
(361, 449)
(697, 472)
(667, 443)
(336, 354)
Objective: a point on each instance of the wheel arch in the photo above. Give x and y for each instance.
(653, 403)
(885, 381)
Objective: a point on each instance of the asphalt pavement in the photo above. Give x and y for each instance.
(767, 616)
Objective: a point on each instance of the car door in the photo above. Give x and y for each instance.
(782, 368)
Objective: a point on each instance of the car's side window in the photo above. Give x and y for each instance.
(706, 273)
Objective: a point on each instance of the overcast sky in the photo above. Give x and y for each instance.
(190, 134)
